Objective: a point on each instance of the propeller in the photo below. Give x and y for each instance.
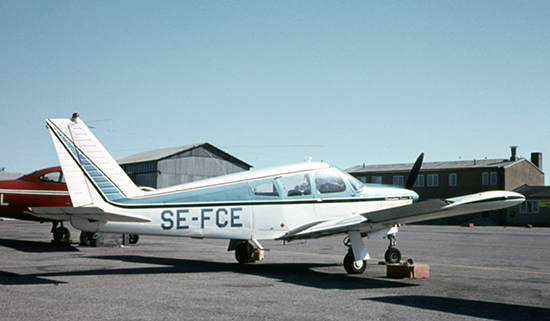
(414, 171)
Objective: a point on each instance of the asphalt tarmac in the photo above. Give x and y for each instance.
(475, 273)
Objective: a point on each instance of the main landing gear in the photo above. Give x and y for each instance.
(350, 265)
(392, 255)
(354, 267)
(90, 239)
(353, 240)
(61, 234)
(246, 252)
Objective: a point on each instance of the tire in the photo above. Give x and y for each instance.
(86, 238)
(62, 235)
(350, 265)
(133, 238)
(244, 252)
(393, 255)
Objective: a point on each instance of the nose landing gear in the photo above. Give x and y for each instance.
(392, 255)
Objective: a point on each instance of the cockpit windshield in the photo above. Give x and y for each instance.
(354, 182)
(329, 182)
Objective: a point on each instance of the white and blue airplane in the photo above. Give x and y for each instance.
(301, 201)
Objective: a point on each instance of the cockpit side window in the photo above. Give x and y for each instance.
(56, 177)
(329, 182)
(296, 184)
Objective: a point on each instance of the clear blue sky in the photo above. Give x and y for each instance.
(272, 82)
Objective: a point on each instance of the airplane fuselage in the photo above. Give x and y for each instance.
(40, 188)
(252, 205)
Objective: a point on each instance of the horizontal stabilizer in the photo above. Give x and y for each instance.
(89, 213)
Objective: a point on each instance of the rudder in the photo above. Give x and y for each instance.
(92, 174)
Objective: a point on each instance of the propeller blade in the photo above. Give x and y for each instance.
(414, 171)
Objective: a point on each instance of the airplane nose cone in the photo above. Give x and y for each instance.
(514, 197)
(414, 196)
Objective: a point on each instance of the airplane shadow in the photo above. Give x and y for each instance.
(7, 278)
(468, 308)
(37, 247)
(299, 274)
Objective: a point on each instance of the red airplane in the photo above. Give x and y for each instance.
(45, 187)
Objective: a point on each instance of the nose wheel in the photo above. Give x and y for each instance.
(392, 255)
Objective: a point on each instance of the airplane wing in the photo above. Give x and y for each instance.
(90, 213)
(416, 212)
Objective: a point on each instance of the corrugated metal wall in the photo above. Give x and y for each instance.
(191, 165)
(176, 171)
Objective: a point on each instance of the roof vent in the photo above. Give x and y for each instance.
(514, 149)
(536, 158)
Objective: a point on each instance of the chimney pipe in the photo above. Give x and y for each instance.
(514, 149)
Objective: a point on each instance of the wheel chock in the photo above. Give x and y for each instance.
(258, 255)
(406, 270)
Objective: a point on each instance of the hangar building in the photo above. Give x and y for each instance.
(456, 178)
(535, 211)
(177, 165)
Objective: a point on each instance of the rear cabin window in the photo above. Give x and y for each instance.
(329, 182)
(296, 185)
(265, 189)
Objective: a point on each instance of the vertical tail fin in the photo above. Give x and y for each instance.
(92, 175)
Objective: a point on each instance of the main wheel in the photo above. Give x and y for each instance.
(86, 238)
(62, 235)
(133, 238)
(393, 255)
(244, 252)
(353, 267)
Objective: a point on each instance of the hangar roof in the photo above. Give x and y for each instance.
(534, 191)
(163, 153)
(9, 176)
(454, 165)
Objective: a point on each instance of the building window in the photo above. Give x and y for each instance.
(484, 178)
(398, 180)
(452, 179)
(433, 180)
(377, 179)
(362, 179)
(419, 181)
(493, 178)
(529, 207)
